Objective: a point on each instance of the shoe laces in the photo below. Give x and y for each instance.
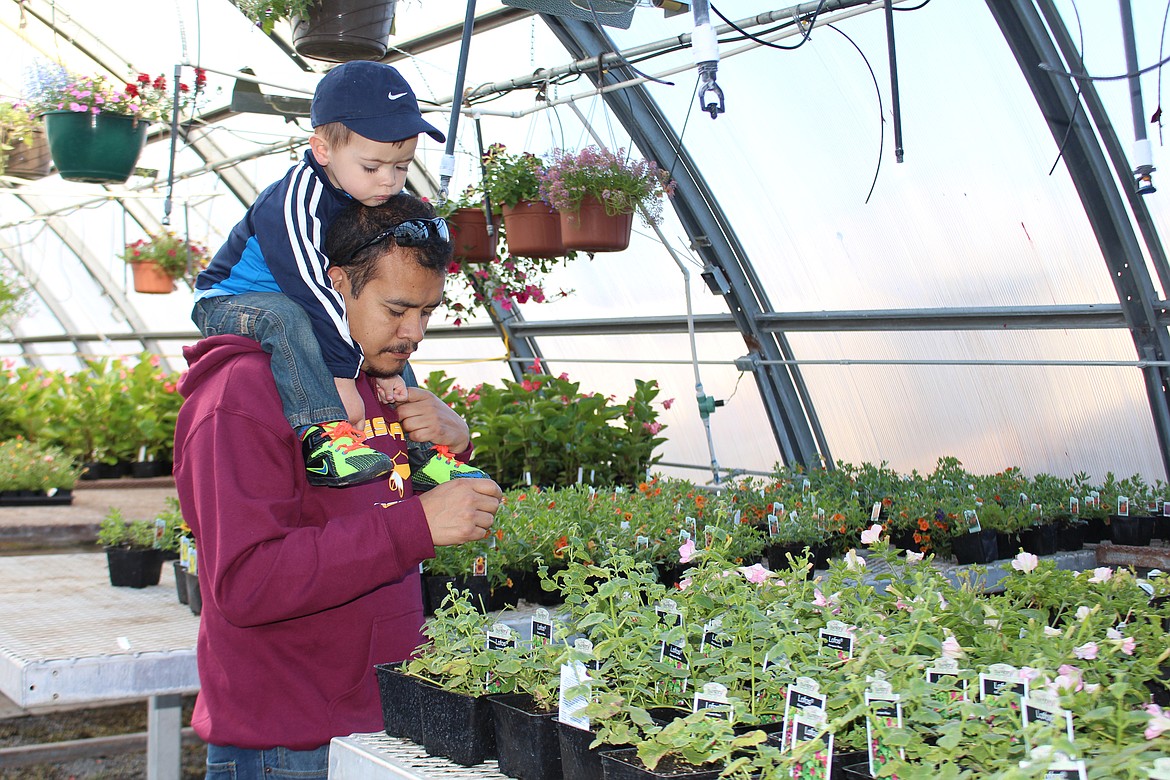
(344, 430)
(444, 452)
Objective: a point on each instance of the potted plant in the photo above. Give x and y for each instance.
(597, 192)
(161, 258)
(96, 130)
(468, 224)
(24, 151)
(331, 30)
(131, 550)
(532, 228)
(35, 473)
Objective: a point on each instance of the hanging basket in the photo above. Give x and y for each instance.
(97, 148)
(344, 30)
(470, 237)
(30, 158)
(150, 279)
(593, 230)
(533, 229)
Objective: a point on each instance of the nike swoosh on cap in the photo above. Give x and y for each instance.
(392, 96)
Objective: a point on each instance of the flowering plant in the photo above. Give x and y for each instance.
(265, 13)
(30, 465)
(621, 184)
(53, 88)
(511, 178)
(173, 253)
(17, 126)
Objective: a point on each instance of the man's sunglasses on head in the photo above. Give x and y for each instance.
(412, 232)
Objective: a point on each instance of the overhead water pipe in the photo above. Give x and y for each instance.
(1143, 156)
(447, 164)
(706, 51)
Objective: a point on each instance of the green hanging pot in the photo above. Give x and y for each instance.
(99, 148)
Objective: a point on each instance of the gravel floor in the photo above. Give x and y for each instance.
(85, 724)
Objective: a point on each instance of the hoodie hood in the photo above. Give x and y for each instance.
(207, 355)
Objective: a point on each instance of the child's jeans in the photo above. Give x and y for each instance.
(307, 391)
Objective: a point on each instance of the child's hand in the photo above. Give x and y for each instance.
(355, 407)
(391, 389)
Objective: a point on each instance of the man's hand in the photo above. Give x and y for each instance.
(355, 407)
(461, 510)
(425, 417)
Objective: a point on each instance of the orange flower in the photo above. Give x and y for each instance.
(559, 547)
(500, 534)
(923, 524)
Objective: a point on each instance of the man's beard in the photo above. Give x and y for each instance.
(405, 348)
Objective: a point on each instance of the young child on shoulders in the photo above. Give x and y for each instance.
(268, 281)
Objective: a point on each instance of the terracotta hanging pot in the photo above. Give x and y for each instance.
(149, 278)
(533, 229)
(30, 158)
(344, 30)
(470, 236)
(593, 230)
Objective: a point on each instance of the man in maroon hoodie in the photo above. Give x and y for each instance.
(306, 588)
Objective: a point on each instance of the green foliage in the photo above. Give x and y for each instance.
(176, 256)
(26, 465)
(116, 531)
(511, 178)
(266, 13)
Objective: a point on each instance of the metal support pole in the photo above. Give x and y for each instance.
(895, 93)
(164, 726)
(1143, 156)
(447, 164)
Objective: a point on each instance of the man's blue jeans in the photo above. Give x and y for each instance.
(231, 763)
(307, 392)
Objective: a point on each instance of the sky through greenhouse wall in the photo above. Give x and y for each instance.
(971, 219)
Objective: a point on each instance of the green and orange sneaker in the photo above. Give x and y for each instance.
(442, 467)
(336, 455)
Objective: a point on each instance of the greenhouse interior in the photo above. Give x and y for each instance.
(721, 489)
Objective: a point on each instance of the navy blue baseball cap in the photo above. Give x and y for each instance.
(371, 99)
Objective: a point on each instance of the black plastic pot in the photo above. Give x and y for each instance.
(343, 30)
(1039, 539)
(1096, 530)
(503, 596)
(134, 568)
(180, 582)
(457, 726)
(143, 469)
(1007, 545)
(400, 702)
(527, 743)
(853, 771)
(1131, 530)
(776, 555)
(194, 595)
(624, 765)
(981, 547)
(578, 760)
(1070, 534)
(100, 470)
(477, 587)
(670, 574)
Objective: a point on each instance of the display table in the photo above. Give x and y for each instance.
(379, 757)
(68, 637)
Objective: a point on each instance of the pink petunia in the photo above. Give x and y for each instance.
(1087, 651)
(1159, 721)
(686, 551)
(1025, 562)
(1101, 574)
(754, 573)
(914, 557)
(951, 648)
(872, 534)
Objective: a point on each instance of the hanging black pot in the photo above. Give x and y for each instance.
(344, 30)
(134, 568)
(979, 547)
(398, 692)
(526, 741)
(457, 726)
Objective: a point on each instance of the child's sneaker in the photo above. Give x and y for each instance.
(442, 467)
(336, 455)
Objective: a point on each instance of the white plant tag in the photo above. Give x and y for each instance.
(885, 706)
(713, 700)
(1000, 679)
(802, 694)
(1044, 707)
(837, 638)
(542, 627)
(575, 678)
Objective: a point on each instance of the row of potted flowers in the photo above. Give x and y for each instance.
(747, 672)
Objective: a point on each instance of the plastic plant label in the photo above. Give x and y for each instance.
(708, 536)
(773, 525)
(971, 520)
(642, 543)
(712, 699)
(160, 530)
(836, 638)
(542, 627)
(675, 652)
(1123, 506)
(193, 561)
(185, 552)
(1074, 506)
(875, 512)
(713, 637)
(802, 694)
(625, 525)
(1000, 679)
(947, 675)
(479, 566)
(668, 613)
(885, 708)
(809, 726)
(1057, 766)
(805, 487)
(1166, 509)
(574, 695)
(499, 637)
(692, 522)
(1044, 707)
(777, 508)
(737, 518)
(684, 536)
